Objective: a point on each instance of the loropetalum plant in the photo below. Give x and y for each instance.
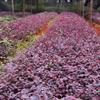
(22, 27)
(2, 31)
(63, 65)
(96, 17)
(6, 49)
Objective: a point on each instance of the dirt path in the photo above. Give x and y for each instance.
(97, 28)
(45, 28)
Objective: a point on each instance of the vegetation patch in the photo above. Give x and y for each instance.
(7, 19)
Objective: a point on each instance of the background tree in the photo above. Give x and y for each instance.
(31, 5)
(91, 10)
(37, 5)
(23, 7)
(12, 3)
(96, 3)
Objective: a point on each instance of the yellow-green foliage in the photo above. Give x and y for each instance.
(1, 67)
(25, 43)
(6, 41)
(20, 45)
(7, 19)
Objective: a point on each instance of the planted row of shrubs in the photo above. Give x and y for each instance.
(62, 65)
(16, 33)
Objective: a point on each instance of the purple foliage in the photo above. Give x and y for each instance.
(96, 17)
(3, 50)
(64, 64)
(3, 28)
(22, 27)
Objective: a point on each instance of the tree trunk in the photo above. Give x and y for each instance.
(31, 6)
(23, 7)
(91, 11)
(12, 3)
(80, 7)
(83, 6)
(37, 4)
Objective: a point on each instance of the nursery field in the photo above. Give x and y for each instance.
(49, 56)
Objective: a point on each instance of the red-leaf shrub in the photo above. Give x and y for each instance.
(19, 29)
(22, 27)
(64, 64)
(2, 31)
(96, 17)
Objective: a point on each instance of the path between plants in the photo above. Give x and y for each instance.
(97, 28)
(42, 31)
(46, 27)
